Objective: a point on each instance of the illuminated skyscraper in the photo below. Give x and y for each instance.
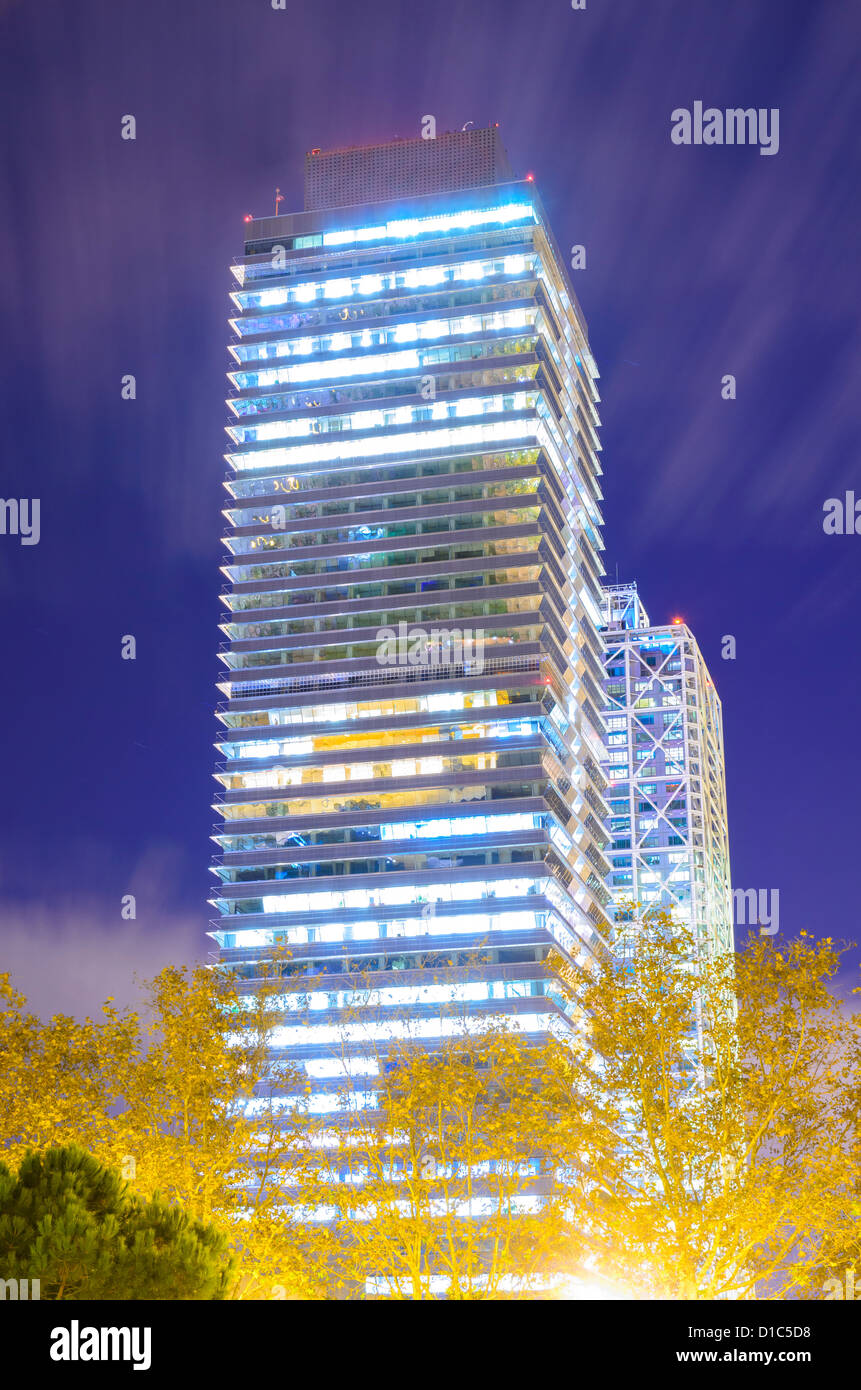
(412, 732)
(665, 767)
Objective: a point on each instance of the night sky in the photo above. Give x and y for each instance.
(700, 262)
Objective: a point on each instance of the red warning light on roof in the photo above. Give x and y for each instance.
(530, 178)
(677, 620)
(248, 217)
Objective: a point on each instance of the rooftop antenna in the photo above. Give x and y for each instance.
(279, 198)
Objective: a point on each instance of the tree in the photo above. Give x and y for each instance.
(62, 1081)
(72, 1224)
(186, 1102)
(207, 1119)
(718, 1130)
(441, 1186)
(698, 1135)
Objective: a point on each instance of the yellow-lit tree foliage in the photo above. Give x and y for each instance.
(442, 1186)
(165, 1100)
(60, 1081)
(698, 1137)
(720, 1126)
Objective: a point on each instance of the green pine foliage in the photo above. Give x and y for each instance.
(74, 1225)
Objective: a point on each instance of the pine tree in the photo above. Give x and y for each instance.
(73, 1224)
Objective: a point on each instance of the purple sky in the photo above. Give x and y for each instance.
(701, 261)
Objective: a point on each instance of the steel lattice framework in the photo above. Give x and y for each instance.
(665, 768)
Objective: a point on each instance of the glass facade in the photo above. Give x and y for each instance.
(412, 737)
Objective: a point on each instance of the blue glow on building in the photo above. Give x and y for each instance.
(434, 829)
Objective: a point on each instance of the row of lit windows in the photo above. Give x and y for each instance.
(440, 703)
(340, 711)
(388, 530)
(316, 1034)
(665, 699)
(412, 862)
(429, 924)
(436, 828)
(652, 842)
(325, 318)
(448, 648)
(241, 488)
(347, 591)
(413, 331)
(393, 996)
(514, 545)
(391, 418)
(671, 735)
(376, 960)
(277, 777)
(672, 767)
(318, 397)
(410, 228)
(392, 896)
(463, 437)
(417, 277)
(379, 365)
(379, 617)
(371, 801)
(492, 239)
(386, 500)
(354, 740)
(404, 895)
